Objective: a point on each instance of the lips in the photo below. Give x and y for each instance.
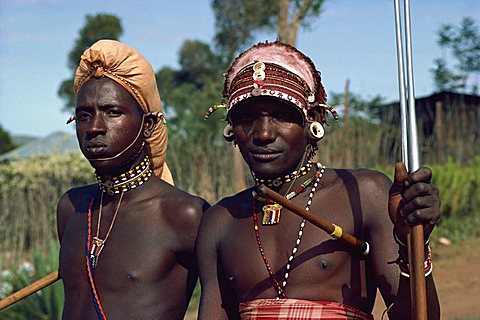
(96, 148)
(265, 155)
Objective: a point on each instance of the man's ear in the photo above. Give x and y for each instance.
(314, 114)
(149, 125)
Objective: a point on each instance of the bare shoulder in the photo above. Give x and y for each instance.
(179, 212)
(72, 201)
(229, 209)
(220, 220)
(184, 205)
(368, 179)
(367, 190)
(232, 207)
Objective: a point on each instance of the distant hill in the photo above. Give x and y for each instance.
(58, 142)
(20, 140)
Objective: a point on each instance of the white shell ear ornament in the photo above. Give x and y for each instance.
(228, 133)
(71, 119)
(315, 131)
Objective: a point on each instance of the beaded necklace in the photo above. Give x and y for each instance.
(96, 299)
(121, 184)
(281, 180)
(271, 210)
(94, 246)
(97, 244)
(126, 181)
(280, 289)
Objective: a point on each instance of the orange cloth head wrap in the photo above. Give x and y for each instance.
(131, 70)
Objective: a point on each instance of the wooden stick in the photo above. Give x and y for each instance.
(417, 271)
(332, 229)
(30, 289)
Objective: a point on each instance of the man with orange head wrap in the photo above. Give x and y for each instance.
(127, 241)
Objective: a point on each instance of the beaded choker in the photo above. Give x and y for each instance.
(126, 181)
(280, 288)
(281, 180)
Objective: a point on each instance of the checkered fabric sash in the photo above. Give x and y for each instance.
(280, 309)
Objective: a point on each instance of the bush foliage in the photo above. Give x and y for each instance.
(29, 191)
(44, 304)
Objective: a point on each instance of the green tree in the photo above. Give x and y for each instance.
(446, 79)
(463, 43)
(367, 109)
(6, 143)
(198, 64)
(237, 21)
(189, 91)
(100, 26)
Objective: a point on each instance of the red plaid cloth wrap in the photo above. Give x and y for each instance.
(280, 309)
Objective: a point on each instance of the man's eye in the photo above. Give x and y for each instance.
(113, 113)
(82, 116)
(246, 120)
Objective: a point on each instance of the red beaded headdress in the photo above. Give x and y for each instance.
(276, 70)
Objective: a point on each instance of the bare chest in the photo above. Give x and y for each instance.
(135, 253)
(302, 259)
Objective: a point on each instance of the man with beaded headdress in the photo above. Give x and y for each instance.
(258, 260)
(127, 241)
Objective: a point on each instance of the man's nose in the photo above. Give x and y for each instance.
(264, 130)
(97, 125)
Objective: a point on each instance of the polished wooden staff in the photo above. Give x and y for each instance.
(410, 154)
(30, 289)
(332, 229)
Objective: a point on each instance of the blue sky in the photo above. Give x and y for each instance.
(351, 39)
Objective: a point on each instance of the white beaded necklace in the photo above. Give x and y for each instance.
(281, 288)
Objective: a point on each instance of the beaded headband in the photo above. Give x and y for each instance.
(266, 79)
(275, 70)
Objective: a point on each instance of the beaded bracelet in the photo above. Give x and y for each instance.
(405, 267)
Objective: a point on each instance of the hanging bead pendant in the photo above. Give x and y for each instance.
(95, 250)
(271, 214)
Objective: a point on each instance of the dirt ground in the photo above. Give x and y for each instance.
(457, 276)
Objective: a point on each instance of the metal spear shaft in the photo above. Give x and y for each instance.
(410, 155)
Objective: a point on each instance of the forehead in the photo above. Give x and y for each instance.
(105, 91)
(265, 105)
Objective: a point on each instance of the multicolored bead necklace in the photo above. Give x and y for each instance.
(126, 181)
(280, 289)
(281, 180)
(121, 184)
(271, 210)
(97, 243)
